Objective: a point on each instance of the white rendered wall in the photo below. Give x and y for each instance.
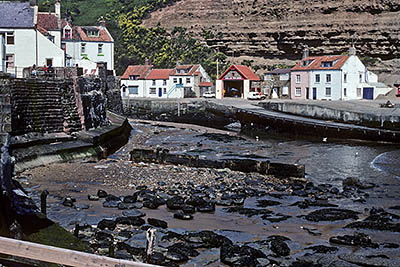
(353, 67)
(141, 88)
(335, 84)
(218, 89)
(246, 88)
(49, 50)
(2, 53)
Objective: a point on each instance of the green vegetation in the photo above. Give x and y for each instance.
(134, 43)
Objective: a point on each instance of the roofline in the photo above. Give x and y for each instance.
(233, 65)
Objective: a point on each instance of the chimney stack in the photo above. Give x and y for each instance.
(352, 51)
(57, 8)
(33, 3)
(306, 52)
(102, 22)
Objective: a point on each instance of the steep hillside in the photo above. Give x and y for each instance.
(275, 31)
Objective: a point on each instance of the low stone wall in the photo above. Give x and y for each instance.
(315, 111)
(5, 106)
(243, 165)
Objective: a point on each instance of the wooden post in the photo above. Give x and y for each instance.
(151, 239)
(43, 204)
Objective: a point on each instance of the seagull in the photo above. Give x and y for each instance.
(257, 138)
(324, 139)
(356, 154)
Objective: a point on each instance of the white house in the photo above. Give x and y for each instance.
(133, 81)
(182, 81)
(334, 78)
(22, 42)
(86, 46)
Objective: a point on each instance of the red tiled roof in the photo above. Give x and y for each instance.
(139, 70)
(47, 21)
(206, 84)
(103, 34)
(159, 74)
(245, 71)
(316, 63)
(42, 30)
(193, 69)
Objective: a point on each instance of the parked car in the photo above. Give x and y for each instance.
(209, 95)
(255, 96)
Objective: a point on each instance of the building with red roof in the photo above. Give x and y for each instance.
(237, 81)
(182, 81)
(342, 77)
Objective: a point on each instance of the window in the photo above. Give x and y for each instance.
(361, 78)
(63, 46)
(164, 91)
(175, 80)
(187, 80)
(358, 92)
(328, 91)
(10, 61)
(133, 77)
(298, 78)
(345, 78)
(83, 48)
(67, 34)
(153, 82)
(267, 77)
(51, 38)
(10, 38)
(317, 78)
(100, 49)
(328, 78)
(49, 62)
(285, 90)
(298, 91)
(133, 90)
(327, 64)
(92, 33)
(344, 91)
(164, 82)
(153, 91)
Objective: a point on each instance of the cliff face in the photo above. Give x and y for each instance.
(275, 31)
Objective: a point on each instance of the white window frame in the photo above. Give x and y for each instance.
(344, 91)
(358, 92)
(175, 80)
(164, 82)
(328, 91)
(317, 78)
(297, 91)
(100, 49)
(345, 78)
(298, 78)
(187, 80)
(153, 90)
(10, 36)
(361, 77)
(153, 82)
(83, 48)
(10, 62)
(131, 89)
(328, 78)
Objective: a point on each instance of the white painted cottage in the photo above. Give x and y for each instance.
(334, 78)
(23, 43)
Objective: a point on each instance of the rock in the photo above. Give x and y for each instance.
(331, 214)
(107, 223)
(205, 239)
(134, 221)
(157, 223)
(355, 182)
(266, 203)
(249, 212)
(224, 202)
(322, 249)
(69, 201)
(313, 203)
(157, 258)
(234, 255)
(123, 255)
(112, 198)
(104, 235)
(370, 261)
(280, 248)
(111, 204)
(133, 213)
(392, 227)
(188, 209)
(196, 201)
(358, 239)
(182, 216)
(126, 206)
(175, 203)
(93, 197)
(177, 257)
(130, 199)
(207, 207)
(395, 208)
(182, 248)
(81, 207)
(101, 194)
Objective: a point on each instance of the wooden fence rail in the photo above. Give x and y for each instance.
(61, 256)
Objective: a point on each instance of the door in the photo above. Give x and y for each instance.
(307, 93)
(314, 93)
(160, 92)
(368, 93)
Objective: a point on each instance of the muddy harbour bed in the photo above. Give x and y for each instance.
(346, 212)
